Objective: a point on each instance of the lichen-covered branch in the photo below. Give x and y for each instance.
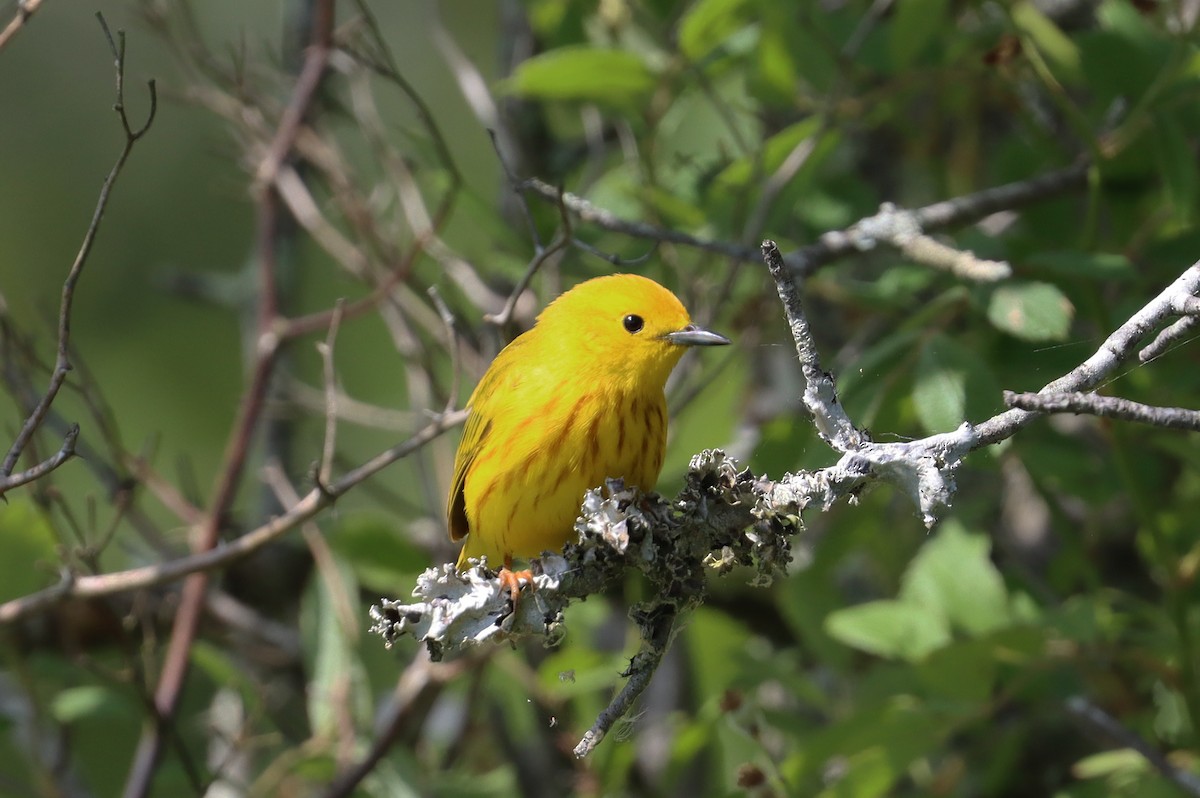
(725, 516)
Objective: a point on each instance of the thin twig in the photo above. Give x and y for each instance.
(201, 562)
(62, 363)
(655, 642)
(820, 394)
(541, 253)
(1115, 350)
(451, 346)
(1106, 407)
(1181, 328)
(325, 348)
(836, 244)
(191, 604)
(25, 10)
(65, 453)
(418, 685)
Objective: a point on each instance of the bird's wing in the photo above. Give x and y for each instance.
(472, 441)
(500, 389)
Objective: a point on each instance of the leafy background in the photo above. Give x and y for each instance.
(890, 660)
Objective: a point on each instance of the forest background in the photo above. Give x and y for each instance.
(1043, 638)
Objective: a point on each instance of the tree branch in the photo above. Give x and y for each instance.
(723, 517)
(891, 224)
(71, 586)
(62, 362)
(65, 453)
(25, 10)
(1106, 407)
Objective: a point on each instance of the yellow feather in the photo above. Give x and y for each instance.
(573, 401)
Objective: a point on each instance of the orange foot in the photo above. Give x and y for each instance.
(513, 579)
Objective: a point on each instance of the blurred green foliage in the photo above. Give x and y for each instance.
(890, 660)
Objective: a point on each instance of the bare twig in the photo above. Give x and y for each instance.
(1106, 407)
(541, 253)
(1163, 341)
(902, 230)
(837, 244)
(62, 363)
(820, 394)
(1116, 349)
(162, 573)
(420, 682)
(187, 617)
(325, 348)
(25, 10)
(65, 453)
(657, 631)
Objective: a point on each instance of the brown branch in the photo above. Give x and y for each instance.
(65, 453)
(191, 605)
(417, 686)
(836, 244)
(25, 10)
(147, 576)
(62, 363)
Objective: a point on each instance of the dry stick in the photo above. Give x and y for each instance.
(541, 253)
(191, 605)
(637, 678)
(25, 10)
(836, 244)
(325, 348)
(212, 559)
(1162, 342)
(417, 685)
(1115, 350)
(62, 363)
(1106, 407)
(65, 452)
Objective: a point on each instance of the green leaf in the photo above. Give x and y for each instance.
(707, 25)
(86, 702)
(952, 385)
(336, 686)
(585, 74)
(1056, 46)
(940, 390)
(915, 24)
(1032, 311)
(382, 556)
(953, 575)
(870, 384)
(964, 671)
(1177, 163)
(1106, 266)
(30, 555)
(890, 629)
(774, 76)
(1110, 763)
(773, 151)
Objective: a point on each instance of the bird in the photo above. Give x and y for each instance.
(575, 400)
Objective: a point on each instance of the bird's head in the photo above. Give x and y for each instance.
(623, 327)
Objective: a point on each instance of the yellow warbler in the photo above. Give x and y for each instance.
(575, 400)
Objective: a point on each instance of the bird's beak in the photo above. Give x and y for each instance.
(692, 335)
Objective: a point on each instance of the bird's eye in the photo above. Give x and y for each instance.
(633, 323)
